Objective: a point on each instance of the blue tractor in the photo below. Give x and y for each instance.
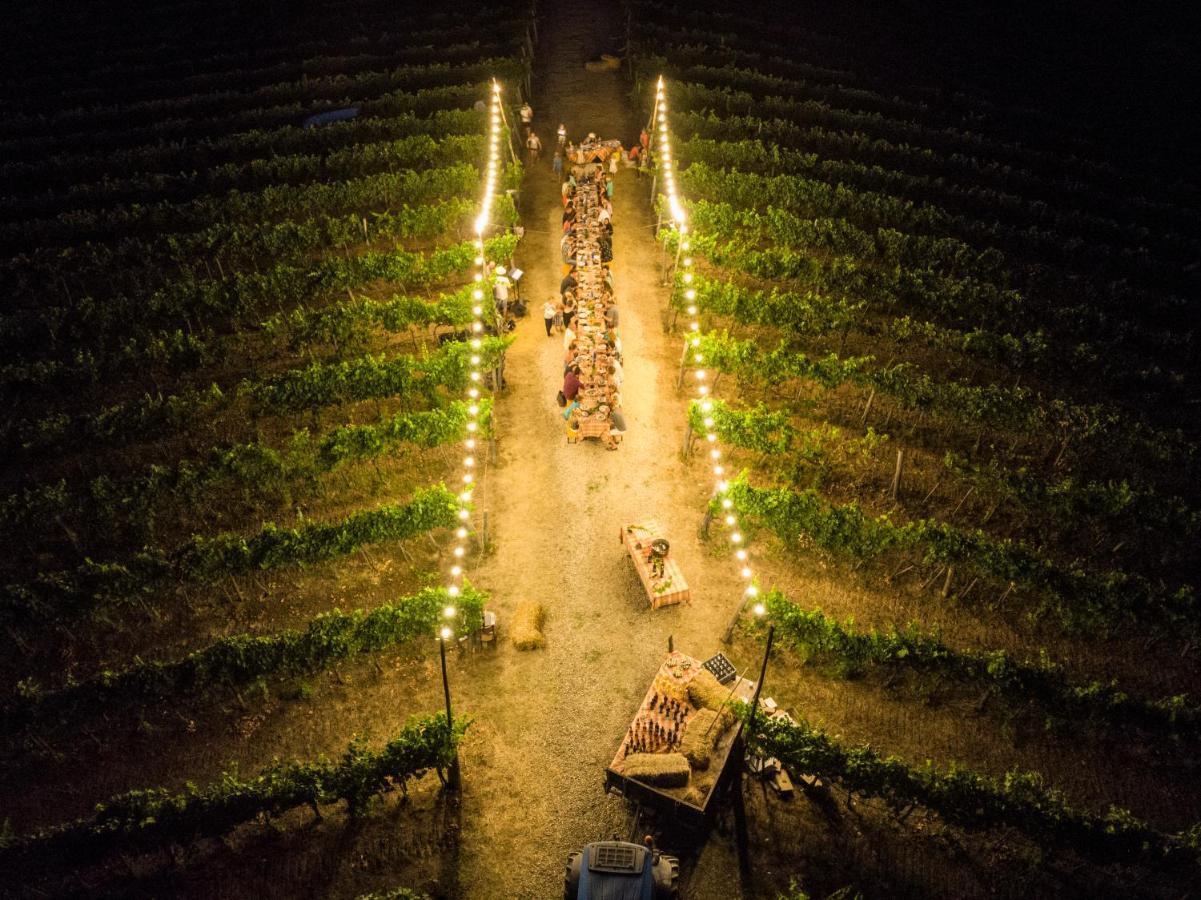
(617, 870)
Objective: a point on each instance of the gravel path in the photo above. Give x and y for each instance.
(548, 722)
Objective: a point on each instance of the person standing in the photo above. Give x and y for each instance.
(613, 163)
(548, 314)
(534, 146)
(527, 116)
(500, 290)
(562, 135)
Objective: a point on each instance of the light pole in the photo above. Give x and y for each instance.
(742, 838)
(445, 634)
(761, 610)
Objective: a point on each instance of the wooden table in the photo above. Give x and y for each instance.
(664, 590)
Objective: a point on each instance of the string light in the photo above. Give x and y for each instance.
(700, 379)
(474, 361)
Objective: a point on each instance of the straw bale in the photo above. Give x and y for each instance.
(706, 692)
(526, 629)
(701, 736)
(669, 687)
(658, 769)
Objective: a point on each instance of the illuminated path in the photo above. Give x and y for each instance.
(548, 722)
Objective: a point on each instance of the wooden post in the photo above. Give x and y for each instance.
(896, 475)
(964, 500)
(867, 407)
(687, 448)
(683, 366)
(704, 532)
(946, 585)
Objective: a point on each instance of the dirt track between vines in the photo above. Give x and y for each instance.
(548, 722)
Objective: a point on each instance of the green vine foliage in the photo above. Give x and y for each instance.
(210, 558)
(244, 658)
(369, 377)
(1034, 681)
(127, 509)
(1080, 598)
(147, 818)
(348, 323)
(1019, 800)
(93, 586)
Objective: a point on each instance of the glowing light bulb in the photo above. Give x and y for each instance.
(760, 609)
(459, 551)
(464, 515)
(446, 633)
(752, 591)
(736, 537)
(730, 520)
(450, 611)
(461, 532)
(746, 573)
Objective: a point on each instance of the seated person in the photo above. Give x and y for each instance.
(567, 283)
(615, 374)
(571, 383)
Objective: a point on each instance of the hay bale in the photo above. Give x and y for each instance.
(658, 769)
(669, 687)
(701, 736)
(527, 625)
(706, 692)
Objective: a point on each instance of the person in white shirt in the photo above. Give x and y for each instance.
(500, 290)
(548, 314)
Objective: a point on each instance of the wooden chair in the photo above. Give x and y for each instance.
(488, 631)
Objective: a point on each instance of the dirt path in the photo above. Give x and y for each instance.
(548, 722)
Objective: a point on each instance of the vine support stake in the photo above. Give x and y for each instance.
(686, 450)
(896, 475)
(964, 500)
(705, 522)
(946, 585)
(867, 407)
